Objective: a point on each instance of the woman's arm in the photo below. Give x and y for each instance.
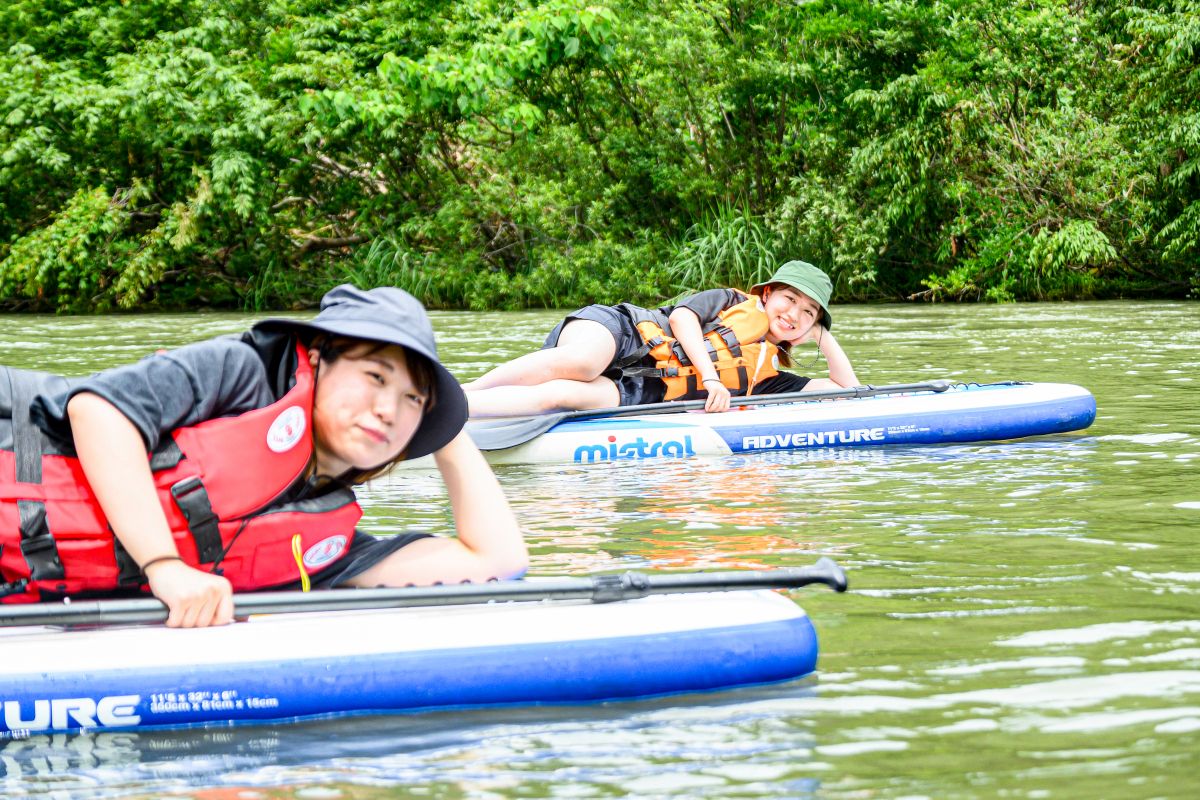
(114, 460)
(685, 327)
(840, 371)
(489, 543)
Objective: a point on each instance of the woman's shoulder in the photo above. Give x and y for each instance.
(230, 346)
(223, 356)
(710, 302)
(253, 355)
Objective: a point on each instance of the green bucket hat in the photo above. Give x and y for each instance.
(803, 277)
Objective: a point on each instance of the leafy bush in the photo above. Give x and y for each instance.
(557, 152)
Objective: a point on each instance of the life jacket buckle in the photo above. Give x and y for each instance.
(41, 552)
(15, 587)
(36, 545)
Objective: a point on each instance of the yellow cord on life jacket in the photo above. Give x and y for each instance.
(305, 584)
(762, 356)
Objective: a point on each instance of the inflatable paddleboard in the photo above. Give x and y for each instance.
(319, 664)
(959, 413)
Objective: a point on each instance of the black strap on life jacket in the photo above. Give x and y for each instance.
(192, 499)
(37, 545)
(166, 455)
(128, 571)
(726, 334)
(693, 384)
(629, 365)
(731, 340)
(624, 365)
(651, 372)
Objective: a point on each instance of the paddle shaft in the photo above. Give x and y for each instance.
(598, 589)
(763, 399)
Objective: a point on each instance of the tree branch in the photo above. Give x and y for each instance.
(313, 244)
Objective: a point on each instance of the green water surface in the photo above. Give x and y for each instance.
(1023, 619)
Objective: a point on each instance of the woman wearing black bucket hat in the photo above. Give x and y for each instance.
(714, 345)
(227, 465)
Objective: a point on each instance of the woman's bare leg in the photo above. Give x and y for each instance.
(556, 395)
(584, 350)
(566, 376)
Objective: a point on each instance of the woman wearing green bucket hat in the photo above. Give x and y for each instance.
(716, 344)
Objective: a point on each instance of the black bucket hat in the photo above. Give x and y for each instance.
(392, 316)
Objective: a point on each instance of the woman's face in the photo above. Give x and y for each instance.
(365, 410)
(790, 314)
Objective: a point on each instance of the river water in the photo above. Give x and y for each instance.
(1023, 620)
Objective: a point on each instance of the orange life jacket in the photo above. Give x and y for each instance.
(736, 342)
(218, 481)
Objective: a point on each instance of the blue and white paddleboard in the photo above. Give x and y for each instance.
(961, 413)
(295, 666)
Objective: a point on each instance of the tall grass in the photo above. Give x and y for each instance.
(729, 247)
(390, 262)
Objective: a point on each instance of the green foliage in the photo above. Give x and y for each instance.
(457, 83)
(66, 264)
(1163, 60)
(825, 223)
(85, 259)
(727, 248)
(504, 154)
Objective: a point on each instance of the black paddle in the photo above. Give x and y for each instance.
(599, 589)
(505, 432)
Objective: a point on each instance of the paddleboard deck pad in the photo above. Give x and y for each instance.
(960, 413)
(294, 666)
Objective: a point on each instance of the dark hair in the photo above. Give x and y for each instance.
(420, 370)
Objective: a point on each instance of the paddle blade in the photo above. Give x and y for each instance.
(500, 434)
(825, 572)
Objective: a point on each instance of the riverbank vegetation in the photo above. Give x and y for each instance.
(491, 154)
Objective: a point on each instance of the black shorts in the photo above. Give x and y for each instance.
(633, 390)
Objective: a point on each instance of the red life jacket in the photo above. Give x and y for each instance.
(218, 482)
(737, 344)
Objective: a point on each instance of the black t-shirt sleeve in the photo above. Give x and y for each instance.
(781, 383)
(707, 304)
(217, 378)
